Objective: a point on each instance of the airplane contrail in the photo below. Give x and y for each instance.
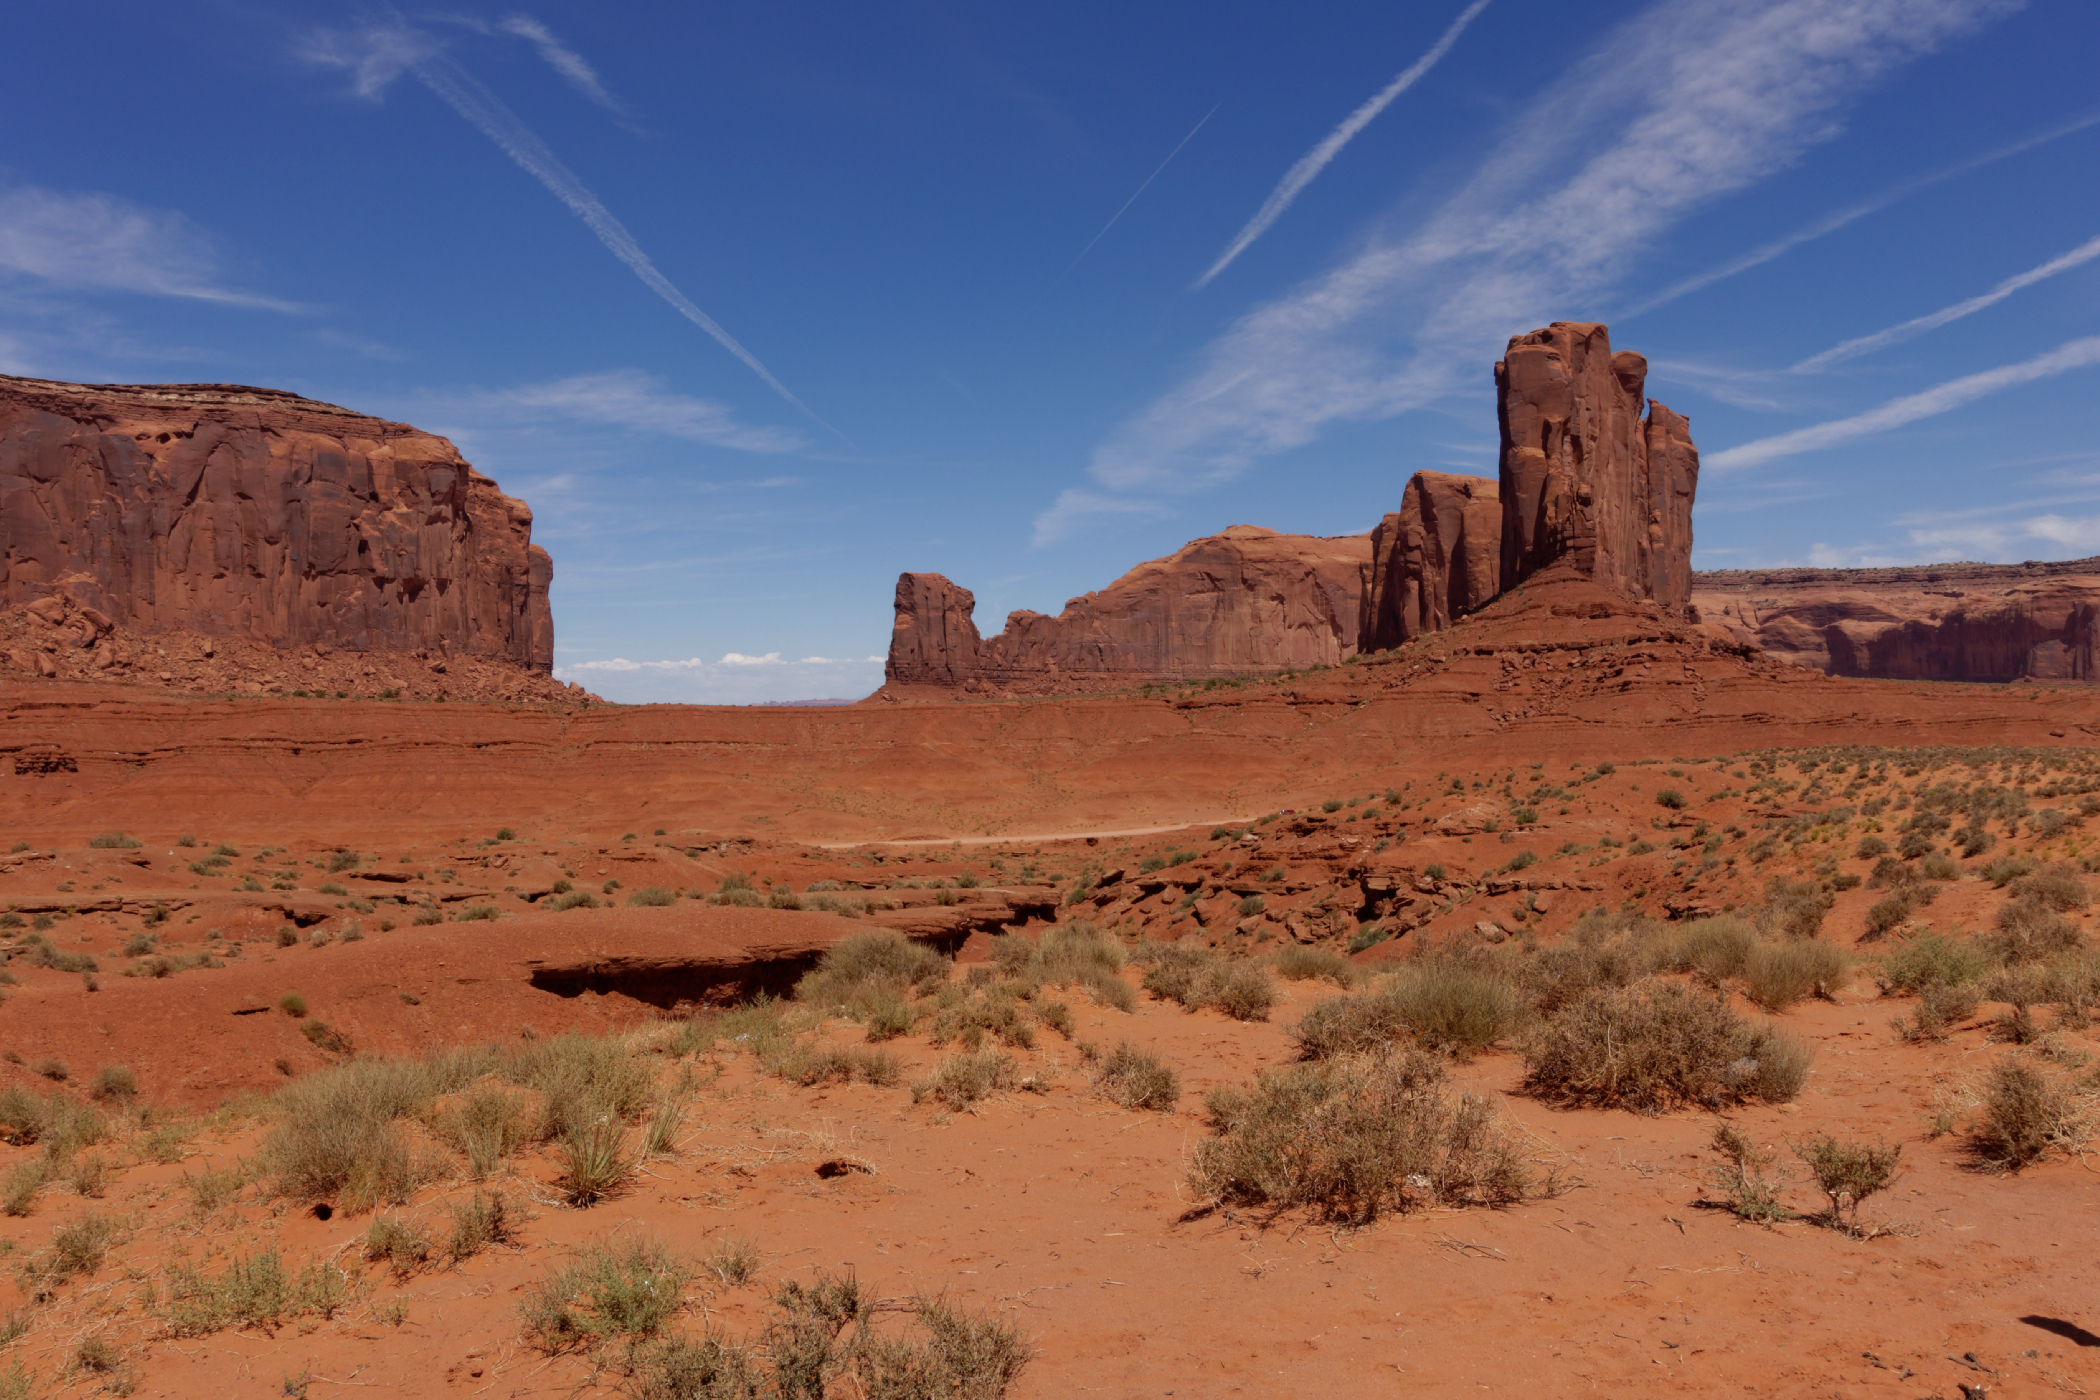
(486, 111)
(1831, 223)
(1140, 190)
(1867, 344)
(1314, 161)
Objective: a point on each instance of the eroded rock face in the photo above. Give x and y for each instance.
(1586, 482)
(1243, 602)
(1434, 560)
(257, 515)
(1937, 622)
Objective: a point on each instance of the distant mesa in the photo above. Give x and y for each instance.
(1590, 489)
(216, 534)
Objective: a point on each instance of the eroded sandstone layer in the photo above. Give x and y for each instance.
(1242, 602)
(256, 517)
(1434, 560)
(1586, 481)
(1933, 622)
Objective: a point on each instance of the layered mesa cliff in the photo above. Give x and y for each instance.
(1935, 622)
(148, 529)
(1589, 488)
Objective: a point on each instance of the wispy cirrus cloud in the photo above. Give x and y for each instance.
(375, 55)
(1074, 508)
(575, 70)
(99, 242)
(2081, 353)
(1684, 104)
(1310, 164)
(627, 398)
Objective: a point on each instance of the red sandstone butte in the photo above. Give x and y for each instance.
(1585, 481)
(1241, 602)
(1434, 560)
(1928, 622)
(258, 516)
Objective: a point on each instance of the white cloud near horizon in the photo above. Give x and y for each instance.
(1073, 508)
(104, 243)
(632, 398)
(1680, 106)
(736, 679)
(1310, 164)
(1917, 326)
(2081, 353)
(379, 53)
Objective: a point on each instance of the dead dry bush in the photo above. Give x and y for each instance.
(1715, 949)
(872, 977)
(1195, 977)
(1356, 1136)
(1135, 1079)
(2029, 1112)
(962, 1079)
(2055, 887)
(2031, 930)
(1792, 909)
(1300, 963)
(821, 1342)
(1656, 1045)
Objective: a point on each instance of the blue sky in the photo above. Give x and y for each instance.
(758, 307)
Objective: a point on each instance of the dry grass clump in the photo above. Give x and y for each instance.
(2028, 1113)
(338, 1137)
(1793, 910)
(1196, 977)
(820, 1342)
(2030, 929)
(488, 1125)
(809, 1065)
(2055, 887)
(966, 1015)
(1444, 1003)
(1074, 954)
(1655, 1045)
(1356, 1136)
(254, 1291)
(962, 1079)
(1136, 1079)
(1776, 975)
(1301, 963)
(1716, 949)
(399, 1244)
(617, 1288)
(872, 977)
(480, 1222)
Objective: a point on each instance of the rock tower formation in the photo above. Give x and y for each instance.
(1434, 560)
(1586, 482)
(258, 516)
(1589, 488)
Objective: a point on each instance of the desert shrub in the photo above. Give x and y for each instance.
(331, 887)
(1870, 847)
(812, 1065)
(488, 1124)
(1368, 936)
(254, 1291)
(1745, 1178)
(1776, 975)
(1793, 909)
(1847, 1173)
(115, 1082)
(869, 976)
(1242, 990)
(1135, 1079)
(593, 1161)
(1887, 915)
(1346, 1024)
(968, 1014)
(783, 897)
(652, 896)
(618, 1288)
(23, 1116)
(1452, 1005)
(1939, 866)
(292, 1004)
(1302, 964)
(734, 1261)
(480, 1222)
(18, 1189)
(1651, 1046)
(964, 1078)
(1079, 954)
(574, 899)
(476, 913)
(337, 1137)
(1975, 841)
(963, 1355)
(2030, 931)
(585, 1079)
(1356, 1136)
(1932, 959)
(1196, 977)
(1717, 948)
(1600, 950)
(1941, 1005)
(709, 1368)
(1056, 1015)
(2027, 1114)
(2006, 869)
(1671, 798)
(2055, 887)
(399, 1244)
(114, 841)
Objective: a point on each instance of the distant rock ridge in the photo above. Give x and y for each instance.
(1935, 622)
(1589, 488)
(260, 517)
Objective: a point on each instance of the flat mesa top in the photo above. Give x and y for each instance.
(179, 395)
